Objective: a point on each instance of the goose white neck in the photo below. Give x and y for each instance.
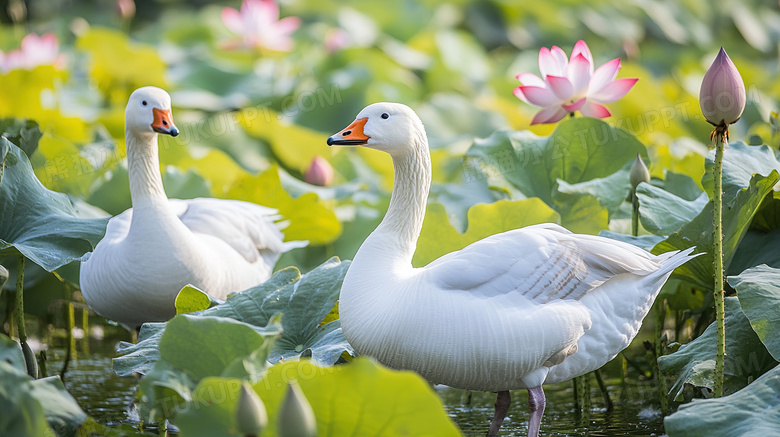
(401, 226)
(143, 167)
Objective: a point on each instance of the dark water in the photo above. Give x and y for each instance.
(107, 398)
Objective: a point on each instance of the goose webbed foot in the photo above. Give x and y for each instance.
(502, 406)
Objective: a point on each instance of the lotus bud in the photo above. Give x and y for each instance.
(296, 418)
(17, 11)
(319, 172)
(251, 417)
(126, 8)
(722, 95)
(639, 172)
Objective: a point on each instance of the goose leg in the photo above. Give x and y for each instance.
(502, 406)
(536, 402)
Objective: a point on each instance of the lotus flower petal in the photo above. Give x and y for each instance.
(576, 106)
(581, 48)
(603, 75)
(258, 25)
(613, 91)
(551, 114)
(232, 20)
(592, 109)
(579, 72)
(539, 96)
(530, 79)
(560, 87)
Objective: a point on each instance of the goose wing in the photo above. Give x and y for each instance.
(248, 228)
(542, 263)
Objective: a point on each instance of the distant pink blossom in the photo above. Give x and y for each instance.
(320, 172)
(571, 85)
(34, 51)
(258, 25)
(336, 39)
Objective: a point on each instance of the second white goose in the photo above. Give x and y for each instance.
(528, 307)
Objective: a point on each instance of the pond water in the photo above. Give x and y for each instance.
(107, 398)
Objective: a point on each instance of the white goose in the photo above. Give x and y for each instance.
(160, 245)
(527, 307)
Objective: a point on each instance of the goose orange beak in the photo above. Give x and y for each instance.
(352, 135)
(163, 122)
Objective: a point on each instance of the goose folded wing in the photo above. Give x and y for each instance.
(542, 263)
(248, 228)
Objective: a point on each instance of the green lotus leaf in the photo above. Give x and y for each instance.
(358, 398)
(753, 411)
(746, 356)
(40, 224)
(758, 290)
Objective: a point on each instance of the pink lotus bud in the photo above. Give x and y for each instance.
(722, 95)
(319, 172)
(126, 8)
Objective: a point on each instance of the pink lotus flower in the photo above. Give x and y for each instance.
(34, 51)
(259, 25)
(571, 85)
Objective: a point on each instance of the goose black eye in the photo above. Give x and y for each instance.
(385, 115)
(143, 102)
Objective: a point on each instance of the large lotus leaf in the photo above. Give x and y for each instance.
(40, 224)
(746, 356)
(196, 344)
(438, 237)
(662, 212)
(611, 191)
(23, 96)
(194, 347)
(738, 212)
(31, 407)
(758, 290)
(740, 163)
(304, 302)
(753, 411)
(24, 133)
(756, 248)
(360, 398)
(579, 150)
(295, 146)
(109, 51)
(582, 214)
(310, 219)
(768, 216)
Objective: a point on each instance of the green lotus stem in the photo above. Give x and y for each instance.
(717, 225)
(576, 386)
(660, 315)
(585, 396)
(19, 304)
(85, 328)
(603, 388)
(634, 214)
(71, 325)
